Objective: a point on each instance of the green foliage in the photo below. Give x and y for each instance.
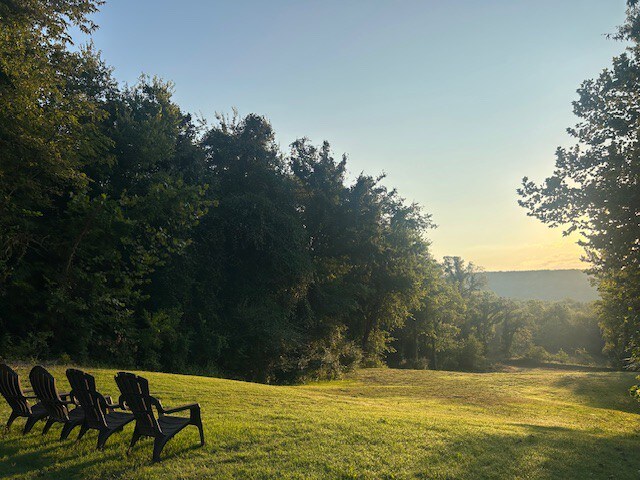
(635, 391)
(471, 354)
(431, 333)
(467, 278)
(48, 119)
(452, 333)
(33, 346)
(562, 356)
(162, 343)
(568, 326)
(120, 208)
(536, 354)
(328, 357)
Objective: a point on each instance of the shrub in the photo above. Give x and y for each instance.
(536, 354)
(635, 391)
(327, 358)
(421, 363)
(65, 359)
(561, 356)
(471, 355)
(34, 346)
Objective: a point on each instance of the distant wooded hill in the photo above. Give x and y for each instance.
(549, 285)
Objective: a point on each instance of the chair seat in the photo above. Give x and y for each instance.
(77, 414)
(118, 419)
(38, 409)
(171, 425)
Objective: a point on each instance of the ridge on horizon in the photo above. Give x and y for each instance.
(538, 270)
(548, 285)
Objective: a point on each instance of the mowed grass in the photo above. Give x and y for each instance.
(378, 424)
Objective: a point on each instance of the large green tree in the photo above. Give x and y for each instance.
(430, 335)
(85, 288)
(48, 118)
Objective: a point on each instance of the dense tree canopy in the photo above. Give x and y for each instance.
(48, 118)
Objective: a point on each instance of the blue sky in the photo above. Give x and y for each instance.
(454, 100)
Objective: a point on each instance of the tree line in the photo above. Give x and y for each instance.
(132, 234)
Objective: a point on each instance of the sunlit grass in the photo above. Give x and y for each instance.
(379, 423)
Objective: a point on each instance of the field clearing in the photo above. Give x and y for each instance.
(378, 423)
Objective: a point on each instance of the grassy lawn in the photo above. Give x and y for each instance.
(380, 423)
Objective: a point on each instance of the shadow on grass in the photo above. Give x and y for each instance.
(568, 367)
(144, 450)
(609, 392)
(539, 452)
(48, 457)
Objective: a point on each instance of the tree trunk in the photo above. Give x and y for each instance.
(434, 355)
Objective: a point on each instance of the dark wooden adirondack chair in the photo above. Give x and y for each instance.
(99, 411)
(135, 395)
(44, 386)
(11, 390)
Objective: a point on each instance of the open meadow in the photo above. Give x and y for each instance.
(378, 423)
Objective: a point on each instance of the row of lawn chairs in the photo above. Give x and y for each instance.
(85, 407)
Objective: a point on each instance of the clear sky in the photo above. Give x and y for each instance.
(455, 100)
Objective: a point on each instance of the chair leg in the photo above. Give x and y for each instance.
(102, 438)
(66, 429)
(83, 430)
(136, 436)
(201, 434)
(196, 420)
(12, 417)
(31, 421)
(47, 426)
(158, 445)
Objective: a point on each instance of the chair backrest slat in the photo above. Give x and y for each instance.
(44, 386)
(135, 392)
(12, 391)
(84, 391)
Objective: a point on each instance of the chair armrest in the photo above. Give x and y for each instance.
(121, 403)
(68, 398)
(154, 401)
(181, 408)
(108, 403)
